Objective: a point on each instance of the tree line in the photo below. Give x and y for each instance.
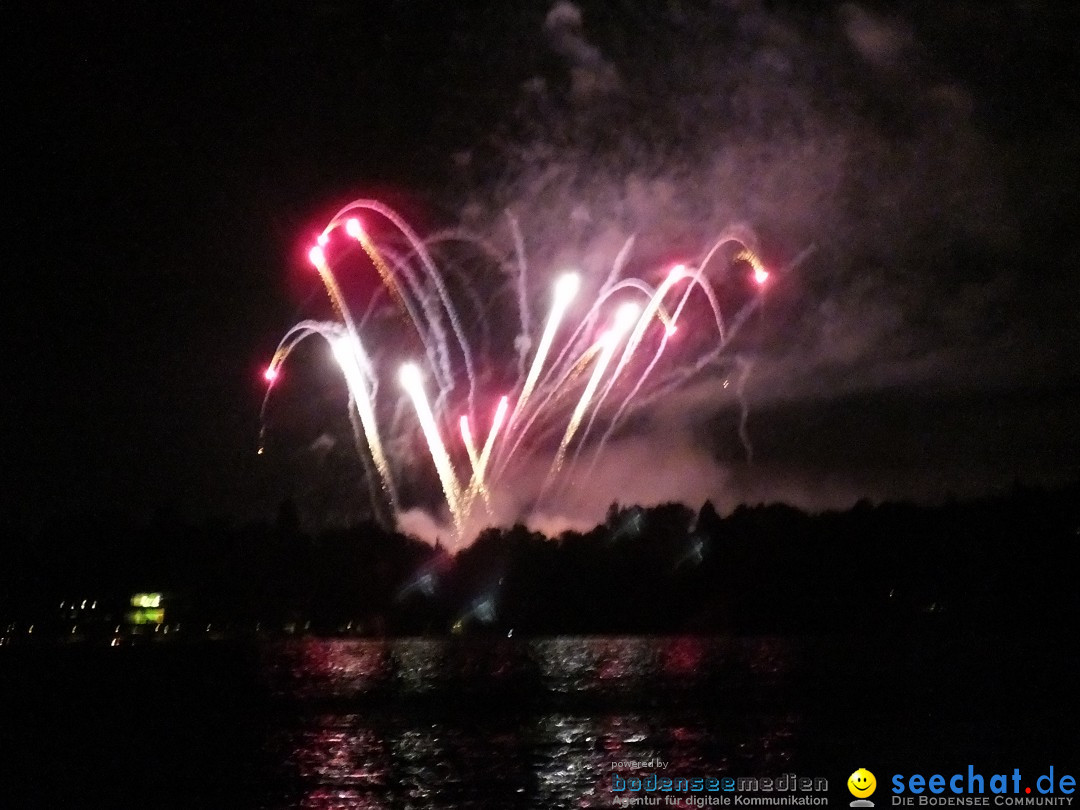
(1007, 563)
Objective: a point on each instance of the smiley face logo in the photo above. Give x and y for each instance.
(861, 783)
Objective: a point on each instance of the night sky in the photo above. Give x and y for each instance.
(167, 169)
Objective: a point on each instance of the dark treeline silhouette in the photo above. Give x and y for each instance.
(1001, 564)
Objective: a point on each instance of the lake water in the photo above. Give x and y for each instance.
(510, 723)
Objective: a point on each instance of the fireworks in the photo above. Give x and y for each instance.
(593, 364)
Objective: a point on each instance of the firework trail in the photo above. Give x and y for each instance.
(565, 290)
(412, 381)
(551, 397)
(608, 342)
(745, 366)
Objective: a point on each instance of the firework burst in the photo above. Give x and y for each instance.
(595, 362)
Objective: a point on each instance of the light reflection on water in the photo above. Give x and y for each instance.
(423, 723)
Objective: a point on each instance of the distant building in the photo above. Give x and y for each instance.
(147, 608)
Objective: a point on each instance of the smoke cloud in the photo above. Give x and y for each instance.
(833, 136)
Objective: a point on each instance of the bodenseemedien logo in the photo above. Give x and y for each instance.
(654, 788)
(862, 785)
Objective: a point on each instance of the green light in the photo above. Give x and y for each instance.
(146, 616)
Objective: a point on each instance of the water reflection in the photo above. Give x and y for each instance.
(531, 724)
